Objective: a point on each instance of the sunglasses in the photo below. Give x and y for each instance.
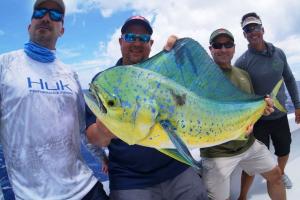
(55, 15)
(252, 28)
(131, 37)
(226, 45)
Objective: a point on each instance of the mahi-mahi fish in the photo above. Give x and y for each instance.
(174, 102)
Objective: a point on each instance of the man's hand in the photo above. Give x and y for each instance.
(270, 106)
(297, 115)
(104, 165)
(170, 42)
(249, 130)
(98, 134)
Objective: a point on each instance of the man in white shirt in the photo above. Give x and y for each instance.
(42, 116)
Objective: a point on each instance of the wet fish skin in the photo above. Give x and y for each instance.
(137, 100)
(174, 101)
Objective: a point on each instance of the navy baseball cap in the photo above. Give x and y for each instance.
(137, 19)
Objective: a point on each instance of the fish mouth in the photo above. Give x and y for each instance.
(101, 106)
(94, 93)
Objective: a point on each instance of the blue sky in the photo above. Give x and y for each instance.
(92, 27)
(84, 29)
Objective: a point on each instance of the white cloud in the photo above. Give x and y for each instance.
(68, 53)
(197, 19)
(106, 7)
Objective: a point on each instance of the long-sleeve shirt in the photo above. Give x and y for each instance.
(266, 68)
(42, 122)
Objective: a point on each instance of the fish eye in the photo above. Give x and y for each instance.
(110, 103)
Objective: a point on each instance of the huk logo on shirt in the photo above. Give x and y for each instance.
(42, 86)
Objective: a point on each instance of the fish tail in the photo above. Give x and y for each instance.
(277, 104)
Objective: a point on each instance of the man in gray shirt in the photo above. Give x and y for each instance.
(266, 65)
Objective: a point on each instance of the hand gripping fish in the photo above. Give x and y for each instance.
(174, 102)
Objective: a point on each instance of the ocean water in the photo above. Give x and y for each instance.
(5, 185)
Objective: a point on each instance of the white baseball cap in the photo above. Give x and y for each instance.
(251, 20)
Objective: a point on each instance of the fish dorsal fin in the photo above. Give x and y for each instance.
(189, 65)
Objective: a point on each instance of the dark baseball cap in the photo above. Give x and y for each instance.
(137, 19)
(218, 32)
(60, 3)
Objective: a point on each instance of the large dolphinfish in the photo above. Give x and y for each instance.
(155, 103)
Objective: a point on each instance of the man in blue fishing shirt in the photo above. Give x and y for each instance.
(266, 65)
(42, 116)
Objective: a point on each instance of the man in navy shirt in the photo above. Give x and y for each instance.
(137, 172)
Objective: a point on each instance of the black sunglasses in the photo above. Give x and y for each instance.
(131, 37)
(55, 15)
(251, 28)
(226, 45)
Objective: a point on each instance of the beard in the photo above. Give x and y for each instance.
(43, 34)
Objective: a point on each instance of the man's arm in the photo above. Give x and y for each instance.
(98, 134)
(291, 86)
(293, 92)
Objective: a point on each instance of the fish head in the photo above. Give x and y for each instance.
(119, 103)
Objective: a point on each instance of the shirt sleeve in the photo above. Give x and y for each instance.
(290, 83)
(94, 149)
(90, 119)
(81, 108)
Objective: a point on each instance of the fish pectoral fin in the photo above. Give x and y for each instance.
(173, 153)
(242, 137)
(181, 153)
(158, 138)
